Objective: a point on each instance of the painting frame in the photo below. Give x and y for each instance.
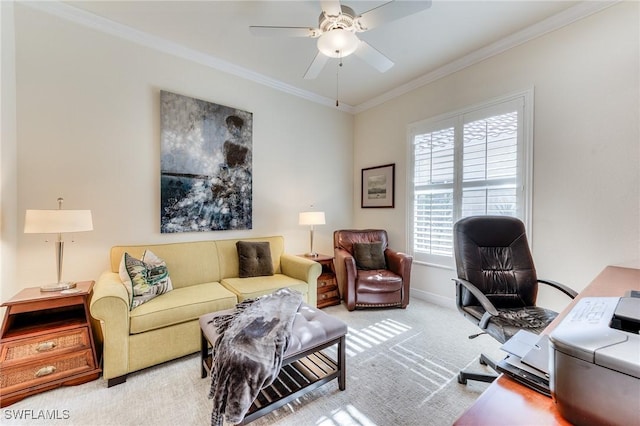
(378, 187)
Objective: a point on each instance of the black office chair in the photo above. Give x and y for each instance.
(497, 284)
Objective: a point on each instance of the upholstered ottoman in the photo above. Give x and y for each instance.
(304, 368)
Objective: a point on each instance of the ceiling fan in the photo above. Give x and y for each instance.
(337, 28)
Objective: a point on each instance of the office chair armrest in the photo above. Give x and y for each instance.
(563, 288)
(484, 301)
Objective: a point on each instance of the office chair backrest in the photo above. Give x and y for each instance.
(492, 253)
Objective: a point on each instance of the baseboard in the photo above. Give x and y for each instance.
(436, 299)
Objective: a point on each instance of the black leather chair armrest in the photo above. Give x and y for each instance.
(563, 288)
(484, 301)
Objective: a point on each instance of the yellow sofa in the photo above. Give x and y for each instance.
(204, 276)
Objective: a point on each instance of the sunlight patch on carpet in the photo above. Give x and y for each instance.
(359, 341)
(346, 416)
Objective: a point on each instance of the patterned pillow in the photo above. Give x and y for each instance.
(144, 278)
(369, 256)
(254, 259)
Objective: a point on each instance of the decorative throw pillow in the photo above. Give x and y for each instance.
(254, 259)
(369, 256)
(144, 278)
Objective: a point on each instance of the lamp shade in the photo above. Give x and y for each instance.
(311, 218)
(338, 43)
(57, 221)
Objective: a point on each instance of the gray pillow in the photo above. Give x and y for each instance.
(254, 259)
(369, 256)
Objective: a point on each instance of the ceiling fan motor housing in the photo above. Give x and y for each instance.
(344, 20)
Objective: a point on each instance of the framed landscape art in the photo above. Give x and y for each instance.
(378, 186)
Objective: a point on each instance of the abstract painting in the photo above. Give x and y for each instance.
(205, 165)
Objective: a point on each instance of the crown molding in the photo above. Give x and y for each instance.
(81, 17)
(125, 32)
(562, 19)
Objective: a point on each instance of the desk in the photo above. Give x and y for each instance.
(506, 402)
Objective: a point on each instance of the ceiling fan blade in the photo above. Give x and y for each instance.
(331, 7)
(373, 57)
(266, 31)
(390, 12)
(316, 66)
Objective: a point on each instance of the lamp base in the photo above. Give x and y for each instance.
(58, 286)
(311, 254)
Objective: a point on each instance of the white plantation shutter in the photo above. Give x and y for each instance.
(490, 166)
(433, 190)
(470, 163)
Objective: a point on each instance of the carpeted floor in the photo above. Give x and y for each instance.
(401, 370)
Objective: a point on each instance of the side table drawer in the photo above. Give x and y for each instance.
(330, 295)
(46, 370)
(326, 280)
(20, 350)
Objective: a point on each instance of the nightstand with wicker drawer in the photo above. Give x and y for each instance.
(46, 341)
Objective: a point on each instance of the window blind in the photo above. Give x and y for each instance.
(469, 163)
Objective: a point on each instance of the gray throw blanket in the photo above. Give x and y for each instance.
(247, 355)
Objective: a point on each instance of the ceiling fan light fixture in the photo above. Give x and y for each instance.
(338, 43)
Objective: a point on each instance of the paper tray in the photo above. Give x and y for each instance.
(533, 381)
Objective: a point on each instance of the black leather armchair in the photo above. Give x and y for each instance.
(497, 285)
(385, 285)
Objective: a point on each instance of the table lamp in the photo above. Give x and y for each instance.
(311, 219)
(57, 222)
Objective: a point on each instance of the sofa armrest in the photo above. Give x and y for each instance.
(110, 305)
(303, 269)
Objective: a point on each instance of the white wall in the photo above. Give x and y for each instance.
(586, 202)
(8, 149)
(88, 129)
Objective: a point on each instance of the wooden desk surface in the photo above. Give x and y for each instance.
(506, 402)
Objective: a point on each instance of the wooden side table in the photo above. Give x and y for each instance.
(46, 342)
(328, 294)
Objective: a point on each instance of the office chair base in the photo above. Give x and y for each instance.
(485, 360)
(463, 376)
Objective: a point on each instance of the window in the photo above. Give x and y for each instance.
(472, 162)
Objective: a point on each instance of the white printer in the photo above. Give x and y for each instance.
(594, 362)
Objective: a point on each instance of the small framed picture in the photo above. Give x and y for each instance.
(378, 186)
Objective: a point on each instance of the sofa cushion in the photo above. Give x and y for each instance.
(254, 259)
(144, 278)
(181, 305)
(369, 256)
(249, 288)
